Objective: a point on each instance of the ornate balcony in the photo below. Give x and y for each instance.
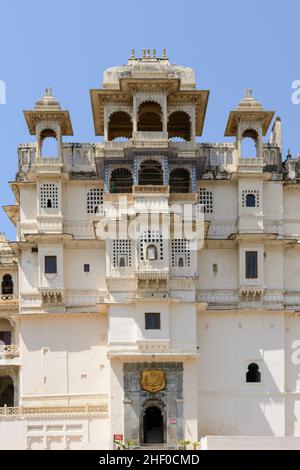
(8, 351)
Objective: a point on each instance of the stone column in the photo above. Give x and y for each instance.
(190, 396)
(116, 399)
(165, 114)
(134, 114)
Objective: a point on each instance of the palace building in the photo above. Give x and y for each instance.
(153, 290)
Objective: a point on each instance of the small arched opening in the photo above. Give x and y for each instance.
(5, 332)
(253, 373)
(119, 126)
(250, 200)
(48, 143)
(6, 391)
(249, 144)
(180, 262)
(153, 425)
(151, 252)
(179, 126)
(151, 173)
(122, 262)
(179, 180)
(149, 117)
(121, 181)
(7, 285)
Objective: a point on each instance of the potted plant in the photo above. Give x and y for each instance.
(119, 444)
(130, 443)
(182, 445)
(196, 445)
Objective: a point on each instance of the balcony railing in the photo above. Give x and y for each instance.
(149, 188)
(7, 411)
(144, 135)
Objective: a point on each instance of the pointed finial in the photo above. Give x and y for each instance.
(248, 93)
(48, 92)
(144, 53)
(153, 53)
(132, 54)
(164, 53)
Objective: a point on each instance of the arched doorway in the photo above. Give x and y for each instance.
(153, 425)
(6, 391)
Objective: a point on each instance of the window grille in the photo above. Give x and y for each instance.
(245, 199)
(152, 236)
(121, 253)
(49, 196)
(94, 201)
(205, 199)
(180, 246)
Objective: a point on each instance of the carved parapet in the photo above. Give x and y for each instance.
(52, 410)
(150, 189)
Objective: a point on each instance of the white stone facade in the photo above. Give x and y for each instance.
(85, 311)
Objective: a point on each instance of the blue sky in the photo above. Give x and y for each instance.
(67, 44)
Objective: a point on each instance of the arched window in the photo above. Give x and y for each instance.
(249, 144)
(179, 126)
(7, 287)
(149, 117)
(121, 181)
(253, 374)
(6, 391)
(151, 237)
(5, 332)
(119, 126)
(179, 180)
(151, 253)
(151, 172)
(48, 143)
(250, 200)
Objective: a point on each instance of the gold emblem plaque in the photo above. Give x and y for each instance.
(153, 380)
